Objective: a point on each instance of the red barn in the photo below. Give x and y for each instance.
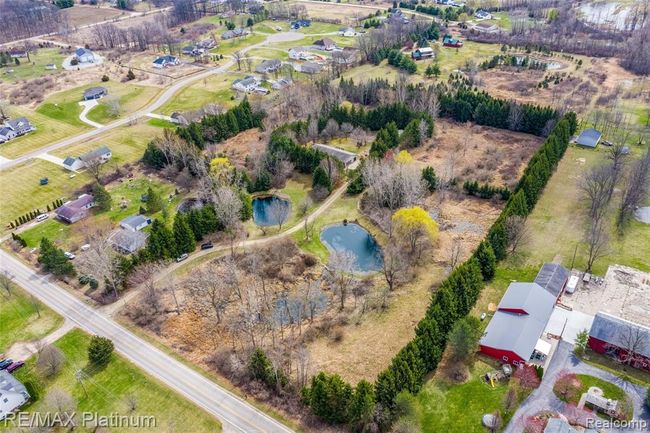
(627, 341)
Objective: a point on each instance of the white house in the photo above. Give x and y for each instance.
(249, 84)
(14, 128)
(348, 32)
(84, 55)
(166, 61)
(300, 53)
(100, 155)
(135, 223)
(6, 134)
(13, 394)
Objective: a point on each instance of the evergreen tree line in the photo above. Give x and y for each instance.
(469, 104)
(376, 118)
(365, 93)
(512, 60)
(395, 58)
(486, 190)
(218, 127)
(452, 301)
(29, 216)
(53, 259)
(304, 158)
(446, 14)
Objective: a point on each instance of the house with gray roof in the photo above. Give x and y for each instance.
(84, 55)
(75, 210)
(514, 332)
(14, 128)
(103, 154)
(325, 44)
(13, 394)
(347, 158)
(268, 66)
(127, 241)
(135, 223)
(235, 33)
(308, 68)
(553, 278)
(165, 61)
(589, 138)
(622, 339)
(95, 93)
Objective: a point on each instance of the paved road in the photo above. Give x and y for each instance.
(235, 414)
(563, 361)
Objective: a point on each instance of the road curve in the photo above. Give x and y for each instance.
(235, 414)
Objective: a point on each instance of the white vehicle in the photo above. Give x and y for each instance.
(42, 217)
(85, 247)
(69, 255)
(181, 257)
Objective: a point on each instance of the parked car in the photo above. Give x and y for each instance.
(206, 246)
(15, 366)
(85, 247)
(5, 363)
(42, 217)
(181, 257)
(69, 255)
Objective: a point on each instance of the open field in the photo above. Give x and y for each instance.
(47, 131)
(80, 15)
(24, 318)
(450, 59)
(228, 47)
(108, 390)
(269, 53)
(22, 193)
(35, 67)
(131, 97)
(318, 27)
(558, 221)
(215, 89)
(342, 12)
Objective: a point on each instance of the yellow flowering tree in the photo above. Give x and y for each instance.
(404, 157)
(415, 228)
(221, 170)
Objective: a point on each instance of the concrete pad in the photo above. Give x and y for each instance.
(51, 158)
(567, 324)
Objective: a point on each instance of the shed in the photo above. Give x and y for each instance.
(589, 138)
(135, 223)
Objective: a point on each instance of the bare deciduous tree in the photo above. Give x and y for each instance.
(395, 266)
(597, 241)
(6, 282)
(339, 274)
(518, 232)
(636, 189)
(595, 188)
(50, 361)
(634, 341)
(278, 212)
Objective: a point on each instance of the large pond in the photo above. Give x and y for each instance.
(355, 239)
(270, 210)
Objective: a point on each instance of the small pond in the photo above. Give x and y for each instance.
(354, 238)
(270, 210)
(643, 214)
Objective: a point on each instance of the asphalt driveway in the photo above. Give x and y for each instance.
(563, 361)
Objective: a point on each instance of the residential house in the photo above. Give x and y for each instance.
(513, 334)
(207, 44)
(6, 134)
(295, 25)
(281, 83)
(73, 164)
(325, 44)
(300, 53)
(75, 210)
(84, 55)
(627, 341)
(346, 56)
(100, 155)
(135, 223)
(423, 53)
(482, 15)
(95, 93)
(268, 66)
(589, 138)
(247, 84)
(191, 50)
(347, 158)
(17, 53)
(15, 128)
(178, 118)
(166, 61)
(485, 28)
(13, 394)
(127, 241)
(348, 32)
(449, 41)
(235, 33)
(308, 68)
(50, 67)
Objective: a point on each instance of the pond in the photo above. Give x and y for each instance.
(643, 214)
(354, 238)
(270, 210)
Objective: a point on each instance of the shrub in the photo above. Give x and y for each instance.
(130, 75)
(105, 78)
(100, 351)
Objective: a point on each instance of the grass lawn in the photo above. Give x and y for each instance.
(445, 407)
(269, 53)
(625, 372)
(571, 391)
(215, 89)
(127, 143)
(318, 27)
(131, 96)
(24, 318)
(557, 223)
(129, 192)
(48, 130)
(369, 71)
(229, 46)
(451, 59)
(34, 68)
(106, 391)
(21, 192)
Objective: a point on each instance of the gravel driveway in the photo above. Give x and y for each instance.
(543, 397)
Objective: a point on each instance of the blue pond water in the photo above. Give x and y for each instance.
(358, 241)
(261, 214)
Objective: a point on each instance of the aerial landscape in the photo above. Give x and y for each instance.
(419, 216)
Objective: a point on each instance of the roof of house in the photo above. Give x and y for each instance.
(557, 425)
(614, 330)
(95, 153)
(81, 201)
(133, 221)
(81, 51)
(589, 137)
(514, 331)
(67, 212)
(17, 122)
(552, 277)
(94, 91)
(69, 160)
(342, 155)
(425, 50)
(165, 59)
(268, 64)
(4, 131)
(13, 393)
(127, 240)
(245, 82)
(310, 68)
(325, 42)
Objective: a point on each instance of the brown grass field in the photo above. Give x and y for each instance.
(81, 15)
